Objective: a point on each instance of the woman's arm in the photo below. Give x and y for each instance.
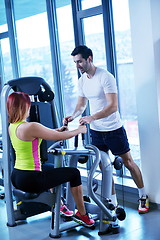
(37, 130)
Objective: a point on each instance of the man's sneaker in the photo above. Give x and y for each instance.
(83, 219)
(143, 204)
(64, 211)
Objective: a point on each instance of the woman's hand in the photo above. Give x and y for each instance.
(62, 129)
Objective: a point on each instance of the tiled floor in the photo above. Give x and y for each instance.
(134, 227)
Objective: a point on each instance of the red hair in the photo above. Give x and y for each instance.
(18, 104)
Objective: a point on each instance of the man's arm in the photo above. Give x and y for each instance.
(112, 107)
(79, 109)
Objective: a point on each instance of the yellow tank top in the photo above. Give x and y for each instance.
(27, 152)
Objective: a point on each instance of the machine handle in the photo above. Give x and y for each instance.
(57, 144)
(83, 138)
(66, 124)
(76, 137)
(76, 141)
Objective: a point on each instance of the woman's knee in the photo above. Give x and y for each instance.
(75, 171)
(76, 178)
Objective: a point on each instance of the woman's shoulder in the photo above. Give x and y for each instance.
(33, 124)
(29, 125)
(28, 130)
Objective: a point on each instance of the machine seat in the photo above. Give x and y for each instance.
(24, 195)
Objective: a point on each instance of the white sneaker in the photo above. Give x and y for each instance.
(143, 204)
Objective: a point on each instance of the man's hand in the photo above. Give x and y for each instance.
(82, 129)
(86, 120)
(67, 119)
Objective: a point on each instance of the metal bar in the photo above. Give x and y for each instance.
(9, 6)
(90, 178)
(3, 35)
(55, 229)
(90, 12)
(71, 151)
(6, 158)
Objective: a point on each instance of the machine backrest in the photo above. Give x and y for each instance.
(42, 106)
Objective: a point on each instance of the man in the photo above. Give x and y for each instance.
(98, 86)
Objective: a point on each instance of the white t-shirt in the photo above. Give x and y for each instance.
(94, 89)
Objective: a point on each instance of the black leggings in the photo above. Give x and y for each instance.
(49, 177)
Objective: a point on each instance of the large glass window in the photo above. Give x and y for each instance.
(33, 40)
(3, 21)
(94, 39)
(69, 72)
(6, 67)
(89, 4)
(126, 82)
(5, 64)
(66, 41)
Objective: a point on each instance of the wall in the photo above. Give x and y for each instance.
(145, 30)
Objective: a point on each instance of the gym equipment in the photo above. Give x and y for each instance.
(107, 213)
(118, 163)
(1, 170)
(29, 204)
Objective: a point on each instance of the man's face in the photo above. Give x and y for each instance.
(81, 64)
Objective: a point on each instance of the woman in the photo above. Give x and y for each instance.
(29, 174)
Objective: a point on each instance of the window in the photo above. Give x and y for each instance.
(68, 69)
(66, 40)
(6, 60)
(3, 21)
(89, 4)
(127, 98)
(94, 39)
(33, 40)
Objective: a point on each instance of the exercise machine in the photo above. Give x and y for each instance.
(101, 208)
(30, 204)
(21, 205)
(42, 98)
(1, 170)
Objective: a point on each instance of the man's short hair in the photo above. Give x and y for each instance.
(83, 50)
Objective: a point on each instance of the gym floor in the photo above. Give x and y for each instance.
(134, 227)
